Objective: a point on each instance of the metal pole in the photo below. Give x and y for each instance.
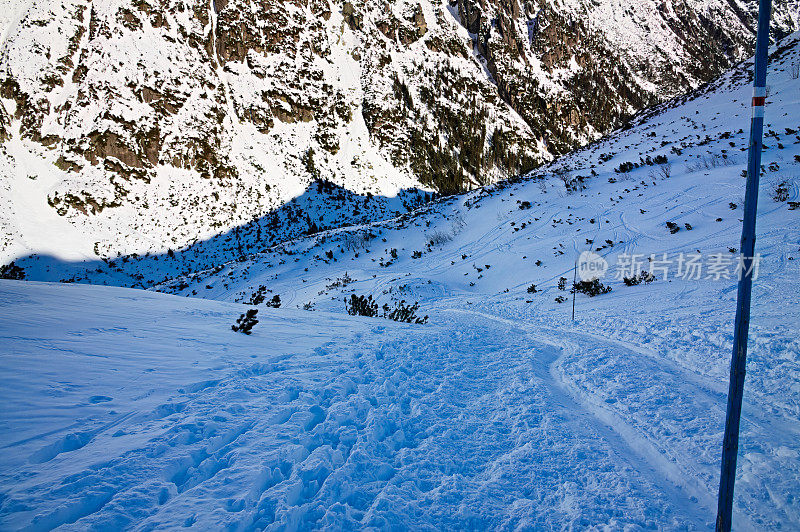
(574, 281)
(730, 442)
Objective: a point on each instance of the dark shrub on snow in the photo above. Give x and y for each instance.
(591, 288)
(246, 322)
(366, 306)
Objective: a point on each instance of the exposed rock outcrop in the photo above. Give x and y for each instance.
(196, 115)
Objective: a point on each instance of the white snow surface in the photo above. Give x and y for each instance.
(132, 409)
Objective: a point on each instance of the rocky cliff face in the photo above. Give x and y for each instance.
(150, 124)
(573, 69)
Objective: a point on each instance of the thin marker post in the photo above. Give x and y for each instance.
(730, 442)
(574, 282)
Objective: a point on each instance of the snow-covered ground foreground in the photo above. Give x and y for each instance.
(131, 409)
(123, 408)
(650, 361)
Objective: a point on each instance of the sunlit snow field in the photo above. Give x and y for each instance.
(131, 409)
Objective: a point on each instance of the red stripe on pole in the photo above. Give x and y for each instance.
(759, 101)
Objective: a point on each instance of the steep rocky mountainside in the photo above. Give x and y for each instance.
(147, 125)
(574, 69)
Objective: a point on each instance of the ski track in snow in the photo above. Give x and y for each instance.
(440, 426)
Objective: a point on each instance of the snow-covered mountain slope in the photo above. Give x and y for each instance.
(500, 412)
(654, 356)
(680, 162)
(321, 206)
(132, 410)
(139, 126)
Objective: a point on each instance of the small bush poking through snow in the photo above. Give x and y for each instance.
(643, 277)
(437, 238)
(12, 271)
(361, 306)
(625, 167)
(366, 306)
(404, 313)
(663, 171)
(532, 289)
(246, 322)
(781, 192)
(258, 296)
(709, 162)
(591, 288)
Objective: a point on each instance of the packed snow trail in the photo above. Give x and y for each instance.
(658, 375)
(314, 421)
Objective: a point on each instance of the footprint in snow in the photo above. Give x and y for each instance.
(100, 399)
